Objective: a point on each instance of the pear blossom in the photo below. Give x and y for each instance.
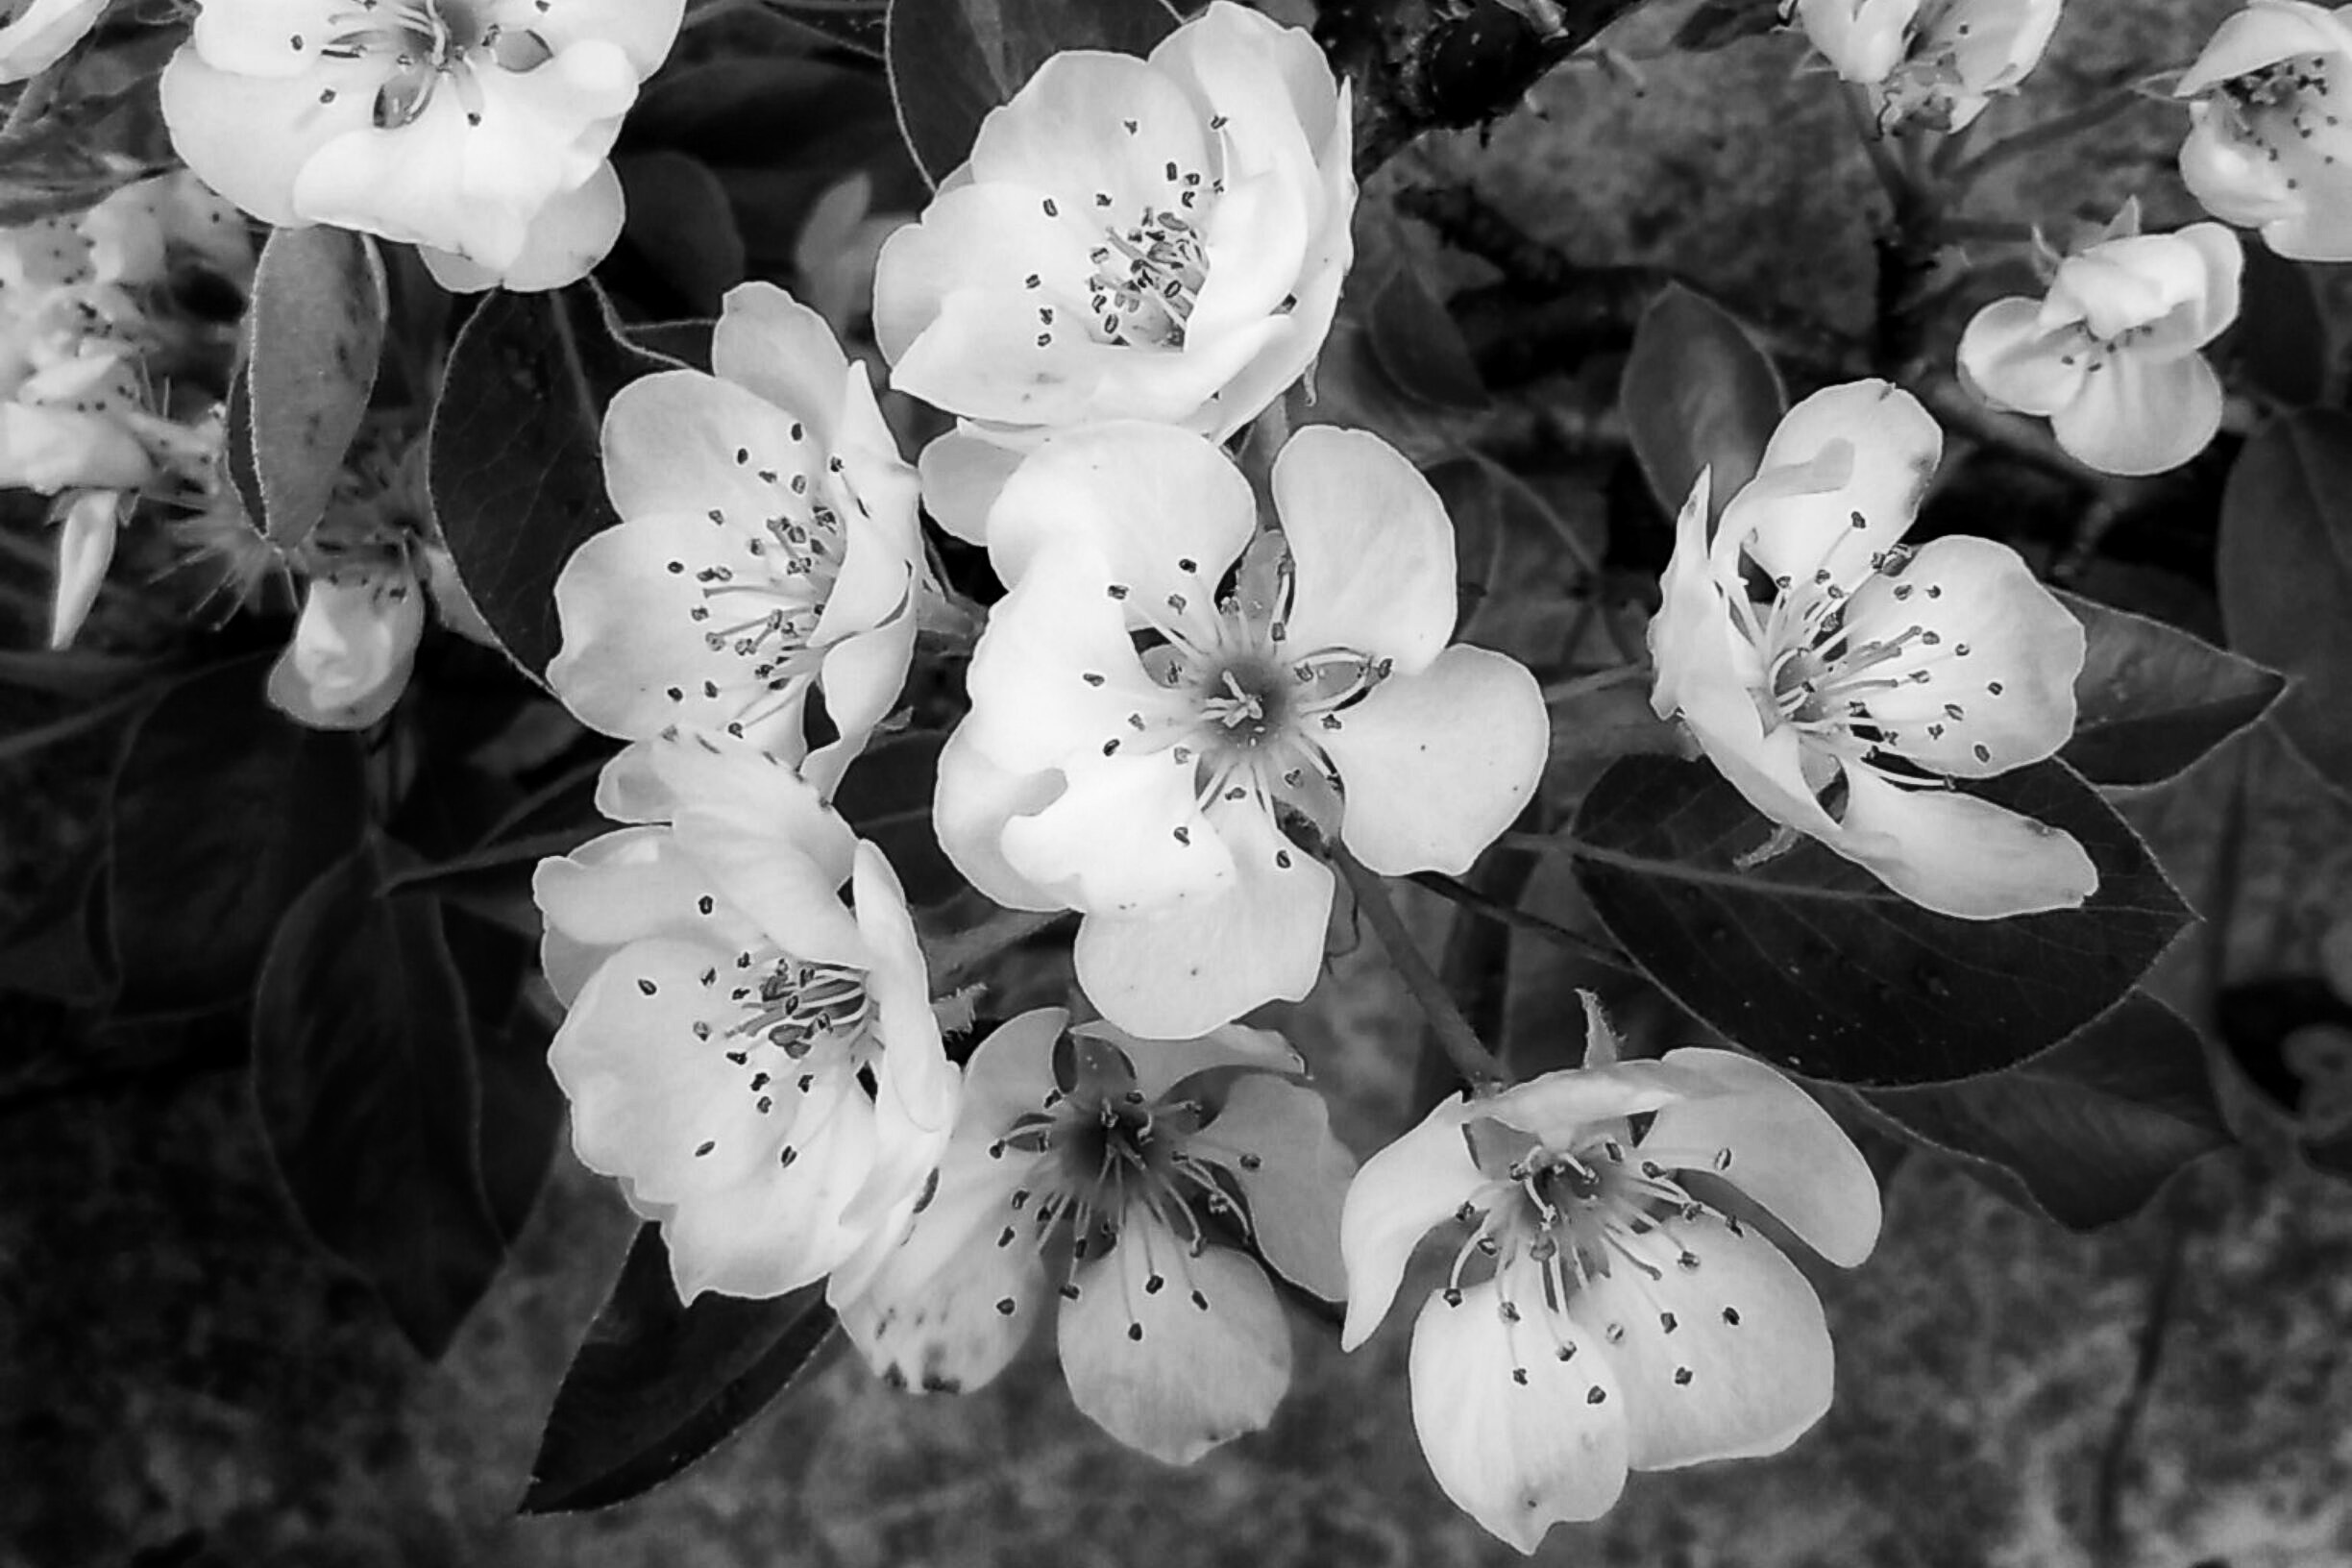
(754, 1058)
(1888, 668)
(476, 129)
(768, 546)
(2110, 355)
(1104, 1181)
(353, 647)
(1935, 65)
(1160, 239)
(34, 35)
(2269, 143)
(1170, 709)
(1607, 1310)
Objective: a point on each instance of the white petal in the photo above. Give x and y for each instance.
(86, 545)
(962, 473)
(1372, 546)
(1012, 1072)
(1125, 837)
(1561, 1109)
(1147, 499)
(775, 849)
(567, 236)
(915, 1079)
(1958, 855)
(2134, 417)
(1727, 1358)
(351, 653)
(1436, 764)
(644, 29)
(974, 801)
(671, 441)
(1067, 134)
(621, 888)
(1298, 1182)
(782, 1227)
(782, 351)
(1176, 1370)
(2008, 356)
(1159, 1065)
(1784, 1151)
(1516, 1456)
(2263, 33)
(41, 34)
(248, 136)
(1401, 1193)
(1893, 445)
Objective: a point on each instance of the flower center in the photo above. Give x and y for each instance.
(1147, 278)
(2282, 104)
(421, 43)
(797, 1006)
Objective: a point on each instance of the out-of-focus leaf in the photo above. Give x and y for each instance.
(314, 336)
(2282, 343)
(522, 1105)
(1419, 347)
(1698, 394)
(2151, 698)
(657, 1385)
(2088, 1131)
(1715, 24)
(223, 812)
(886, 795)
(364, 1079)
(513, 463)
(682, 228)
(62, 946)
(1811, 962)
(2285, 575)
(953, 61)
(855, 25)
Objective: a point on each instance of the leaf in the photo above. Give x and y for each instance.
(223, 812)
(657, 1385)
(855, 25)
(1810, 960)
(1416, 344)
(2285, 575)
(886, 795)
(364, 1079)
(61, 946)
(512, 460)
(1697, 394)
(314, 336)
(2088, 1131)
(2152, 698)
(953, 61)
(2282, 343)
(1715, 24)
(681, 228)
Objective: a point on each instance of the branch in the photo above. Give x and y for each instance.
(1419, 65)
(1448, 1028)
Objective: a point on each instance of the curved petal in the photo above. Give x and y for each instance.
(963, 474)
(2008, 356)
(1166, 510)
(41, 34)
(624, 886)
(85, 546)
(2141, 418)
(986, 240)
(1109, 134)
(1520, 1438)
(1173, 1355)
(1561, 1109)
(775, 849)
(1774, 1142)
(350, 654)
(644, 29)
(249, 135)
(2232, 176)
(2263, 33)
(1436, 765)
(1126, 837)
(1399, 1195)
(566, 238)
(1893, 445)
(1958, 855)
(1725, 1358)
(672, 442)
(974, 801)
(916, 1076)
(1372, 549)
(1012, 1073)
(782, 1227)
(784, 353)
(1158, 1066)
(1275, 1137)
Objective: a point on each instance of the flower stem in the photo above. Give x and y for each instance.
(953, 957)
(1599, 681)
(1463, 895)
(1452, 1031)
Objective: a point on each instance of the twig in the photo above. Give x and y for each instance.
(957, 956)
(1478, 903)
(1561, 692)
(1449, 1028)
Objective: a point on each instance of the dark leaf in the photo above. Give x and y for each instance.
(2088, 1131)
(657, 1384)
(953, 61)
(364, 1079)
(886, 795)
(2152, 698)
(1697, 394)
(1419, 347)
(313, 339)
(2282, 341)
(522, 1105)
(513, 465)
(681, 226)
(62, 947)
(855, 25)
(1810, 960)
(1717, 23)
(2285, 575)
(223, 812)
(2289, 1034)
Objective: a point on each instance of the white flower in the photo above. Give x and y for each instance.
(768, 546)
(353, 647)
(2270, 138)
(1167, 700)
(476, 129)
(1893, 668)
(2110, 355)
(1104, 1181)
(34, 35)
(755, 1061)
(1624, 1319)
(1159, 239)
(1933, 63)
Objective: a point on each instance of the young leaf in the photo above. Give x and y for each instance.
(314, 336)
(2088, 1131)
(2285, 575)
(223, 812)
(953, 61)
(512, 460)
(2152, 698)
(364, 1076)
(657, 1385)
(1416, 344)
(1697, 394)
(1811, 962)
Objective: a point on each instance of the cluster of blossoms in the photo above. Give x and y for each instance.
(1929, 64)
(114, 344)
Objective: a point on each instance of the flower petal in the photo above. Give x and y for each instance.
(1398, 1195)
(1371, 547)
(2009, 357)
(962, 473)
(350, 657)
(1177, 1368)
(1108, 135)
(1166, 510)
(974, 801)
(1436, 764)
(2135, 417)
(1519, 1439)
(85, 546)
(1276, 1139)
(782, 353)
(1126, 837)
(1958, 855)
(915, 1077)
(1012, 1072)
(1893, 445)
